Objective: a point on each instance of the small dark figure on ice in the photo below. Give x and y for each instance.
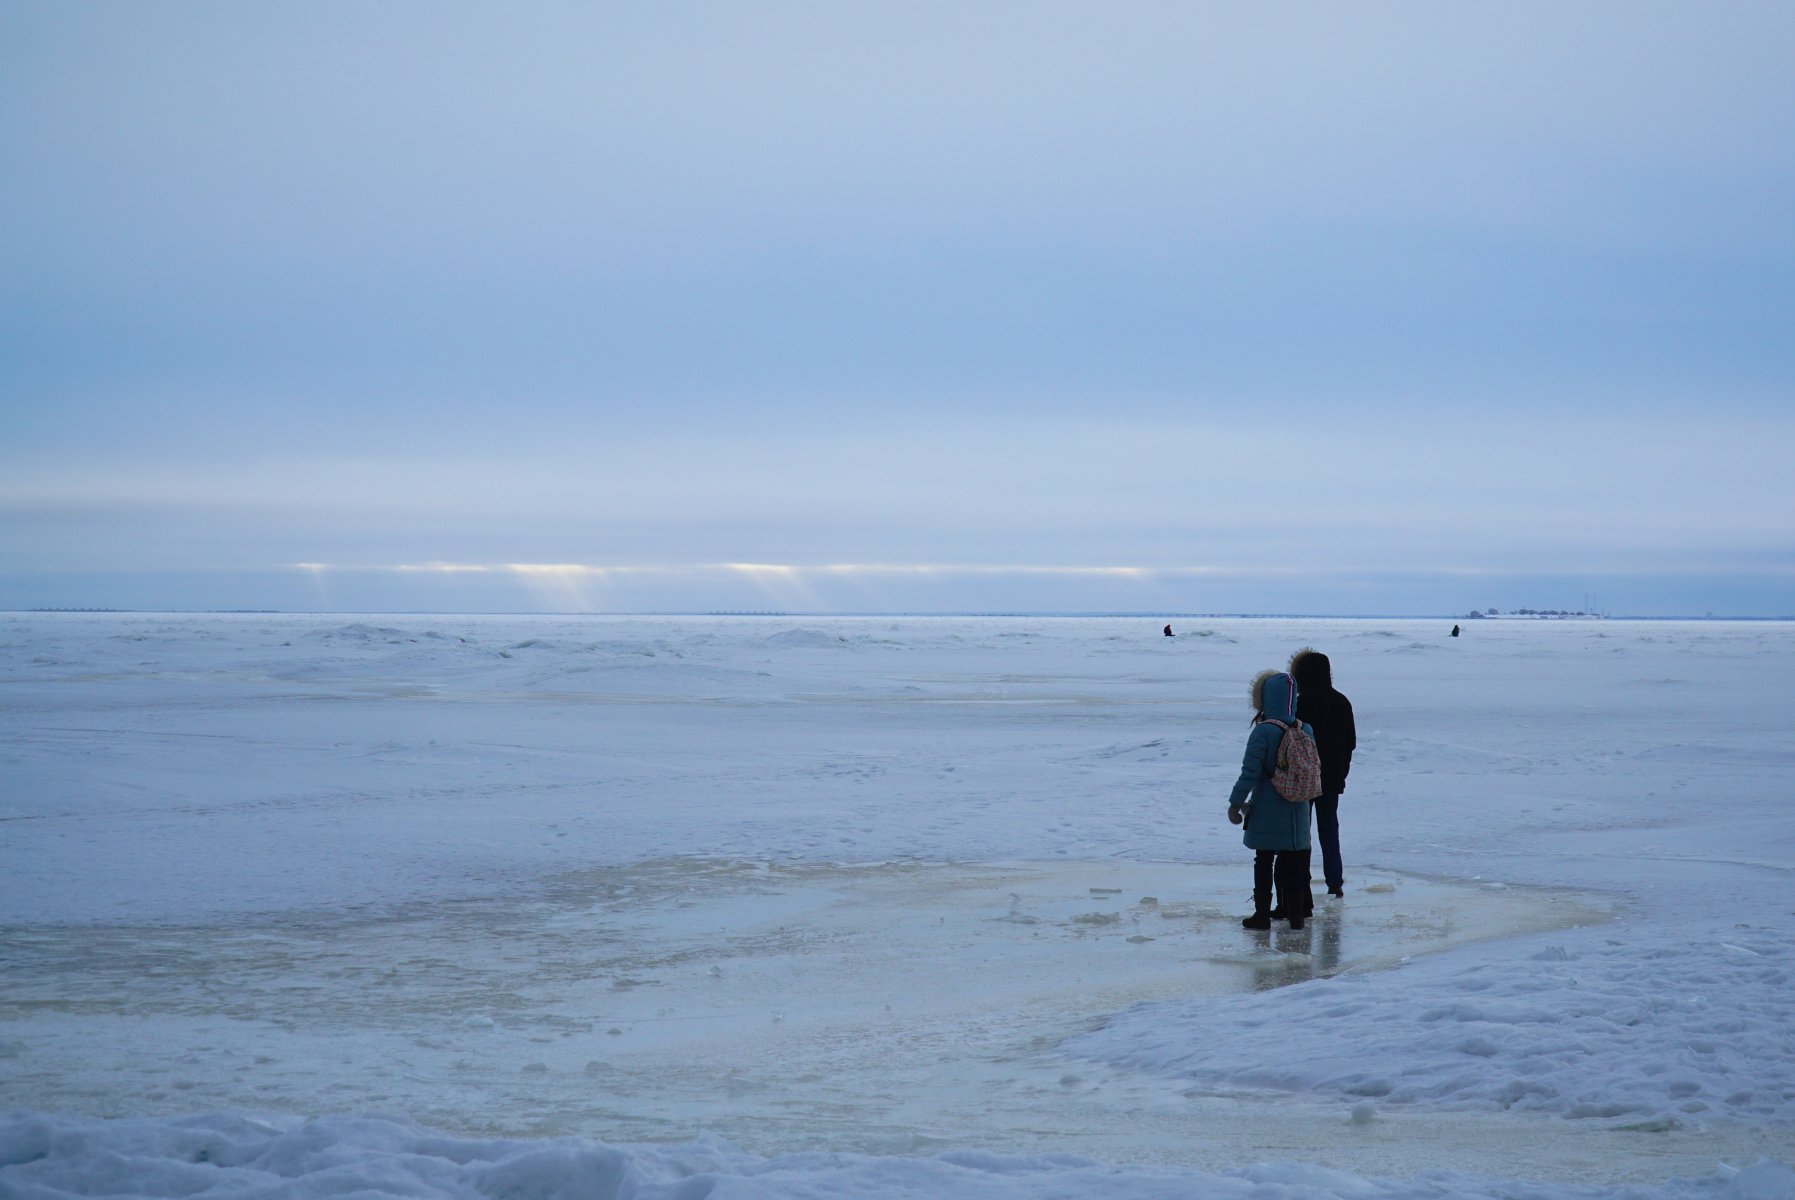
(1455, 631)
(1169, 632)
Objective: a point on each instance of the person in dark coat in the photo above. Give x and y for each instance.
(1277, 830)
(1329, 713)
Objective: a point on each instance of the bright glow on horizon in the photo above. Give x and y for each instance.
(552, 569)
(786, 571)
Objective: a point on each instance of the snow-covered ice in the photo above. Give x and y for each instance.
(650, 906)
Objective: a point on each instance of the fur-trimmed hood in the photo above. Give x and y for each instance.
(1311, 670)
(1274, 695)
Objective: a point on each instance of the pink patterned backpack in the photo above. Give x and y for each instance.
(1298, 774)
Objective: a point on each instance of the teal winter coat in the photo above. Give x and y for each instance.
(1272, 822)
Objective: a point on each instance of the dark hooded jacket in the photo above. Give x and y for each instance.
(1329, 713)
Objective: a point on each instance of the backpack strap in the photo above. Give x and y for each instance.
(1277, 754)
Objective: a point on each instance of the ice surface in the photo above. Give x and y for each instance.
(880, 886)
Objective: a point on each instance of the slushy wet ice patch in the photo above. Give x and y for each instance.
(782, 1005)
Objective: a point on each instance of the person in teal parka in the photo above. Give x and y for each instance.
(1277, 830)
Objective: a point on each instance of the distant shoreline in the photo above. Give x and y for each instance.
(1459, 618)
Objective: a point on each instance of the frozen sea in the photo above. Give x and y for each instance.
(674, 907)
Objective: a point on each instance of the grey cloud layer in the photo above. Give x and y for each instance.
(810, 283)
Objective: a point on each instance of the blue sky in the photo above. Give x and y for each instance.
(1159, 307)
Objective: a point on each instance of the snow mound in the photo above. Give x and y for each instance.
(1646, 1041)
(361, 634)
(807, 639)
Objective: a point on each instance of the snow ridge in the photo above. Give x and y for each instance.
(1590, 1026)
(44, 1157)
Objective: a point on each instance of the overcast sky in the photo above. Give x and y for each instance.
(1161, 307)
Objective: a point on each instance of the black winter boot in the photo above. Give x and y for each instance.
(1263, 880)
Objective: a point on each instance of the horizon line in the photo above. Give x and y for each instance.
(822, 614)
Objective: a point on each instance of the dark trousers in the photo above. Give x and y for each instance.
(1287, 871)
(1327, 830)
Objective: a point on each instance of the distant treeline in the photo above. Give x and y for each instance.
(132, 610)
(87, 610)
